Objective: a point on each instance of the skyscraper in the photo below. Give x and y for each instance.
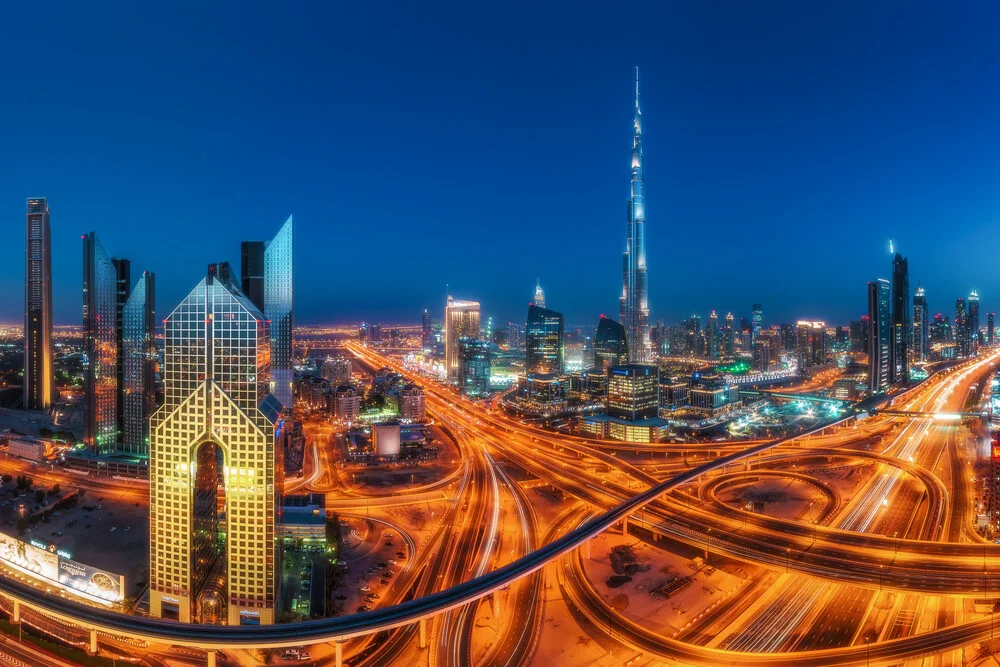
(961, 327)
(729, 336)
(634, 302)
(426, 331)
(216, 431)
(543, 333)
(38, 379)
(899, 367)
(252, 272)
(610, 344)
(461, 320)
(474, 365)
(123, 289)
(756, 323)
(713, 335)
(921, 324)
(973, 322)
(878, 335)
(138, 388)
(279, 310)
(539, 299)
(990, 331)
(810, 343)
(100, 339)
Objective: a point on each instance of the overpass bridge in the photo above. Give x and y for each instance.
(808, 398)
(938, 416)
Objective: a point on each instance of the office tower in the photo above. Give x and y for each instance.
(762, 360)
(515, 336)
(859, 331)
(279, 310)
(756, 322)
(789, 335)
(539, 299)
(138, 388)
(921, 324)
(461, 320)
(811, 343)
(610, 344)
(695, 339)
(990, 320)
(543, 335)
(634, 302)
(426, 331)
(39, 384)
(974, 322)
(633, 392)
(252, 272)
(215, 452)
(941, 329)
(123, 289)
(961, 327)
(729, 336)
(712, 336)
(899, 364)
(474, 365)
(100, 341)
(878, 335)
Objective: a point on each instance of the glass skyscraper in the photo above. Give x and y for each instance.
(634, 301)
(100, 336)
(973, 322)
(610, 344)
(878, 336)
(474, 365)
(38, 379)
(544, 351)
(461, 320)
(252, 271)
(215, 433)
(139, 365)
(921, 324)
(279, 309)
(899, 368)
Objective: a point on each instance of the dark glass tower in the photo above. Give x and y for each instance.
(279, 309)
(252, 271)
(426, 331)
(961, 327)
(878, 335)
(123, 288)
(756, 323)
(610, 344)
(543, 341)
(899, 368)
(973, 322)
(38, 379)
(100, 339)
(634, 302)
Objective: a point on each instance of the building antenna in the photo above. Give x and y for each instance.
(890, 247)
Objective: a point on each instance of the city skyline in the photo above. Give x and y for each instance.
(707, 163)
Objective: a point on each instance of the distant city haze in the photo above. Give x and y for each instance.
(483, 149)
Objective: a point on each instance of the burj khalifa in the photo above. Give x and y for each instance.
(634, 302)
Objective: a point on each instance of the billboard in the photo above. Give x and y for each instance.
(28, 557)
(99, 583)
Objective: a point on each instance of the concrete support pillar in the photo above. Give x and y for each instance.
(211, 659)
(92, 649)
(17, 612)
(340, 654)
(423, 633)
(586, 549)
(496, 604)
(625, 526)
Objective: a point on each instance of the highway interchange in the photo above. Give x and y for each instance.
(901, 545)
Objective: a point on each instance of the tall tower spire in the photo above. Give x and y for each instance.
(634, 301)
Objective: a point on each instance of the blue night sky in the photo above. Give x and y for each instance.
(426, 144)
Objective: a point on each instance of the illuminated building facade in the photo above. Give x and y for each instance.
(899, 365)
(756, 323)
(712, 336)
(974, 322)
(990, 330)
(138, 354)
(474, 365)
(539, 299)
(38, 379)
(100, 334)
(729, 336)
(810, 343)
(213, 446)
(461, 320)
(633, 392)
(610, 345)
(543, 333)
(426, 331)
(921, 324)
(634, 301)
(879, 336)
(279, 308)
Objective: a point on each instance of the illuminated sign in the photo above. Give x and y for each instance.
(29, 557)
(996, 453)
(101, 584)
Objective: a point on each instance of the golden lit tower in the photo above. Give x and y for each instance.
(461, 320)
(215, 472)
